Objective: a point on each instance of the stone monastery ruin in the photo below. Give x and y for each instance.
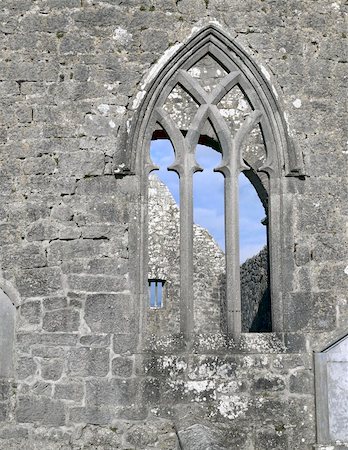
(123, 324)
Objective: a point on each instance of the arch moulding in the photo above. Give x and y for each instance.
(283, 157)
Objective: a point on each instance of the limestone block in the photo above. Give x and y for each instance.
(124, 342)
(71, 391)
(42, 165)
(122, 367)
(51, 369)
(30, 312)
(61, 320)
(40, 410)
(111, 392)
(36, 282)
(24, 257)
(76, 43)
(96, 283)
(75, 249)
(55, 303)
(301, 382)
(26, 367)
(88, 362)
(81, 164)
(199, 437)
(110, 313)
(96, 415)
(42, 230)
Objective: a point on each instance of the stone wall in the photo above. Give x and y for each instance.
(70, 76)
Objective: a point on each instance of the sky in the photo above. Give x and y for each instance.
(208, 198)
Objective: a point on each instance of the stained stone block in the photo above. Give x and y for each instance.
(62, 213)
(42, 230)
(94, 415)
(268, 383)
(26, 367)
(106, 437)
(9, 88)
(109, 313)
(81, 248)
(42, 411)
(61, 320)
(301, 382)
(71, 391)
(48, 352)
(25, 257)
(272, 439)
(36, 282)
(38, 388)
(120, 392)
(100, 126)
(49, 339)
(124, 343)
(122, 367)
(14, 431)
(76, 43)
(31, 312)
(199, 437)
(55, 303)
(82, 163)
(91, 283)
(51, 369)
(42, 165)
(297, 311)
(95, 340)
(88, 362)
(97, 185)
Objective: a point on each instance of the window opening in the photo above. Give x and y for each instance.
(254, 270)
(156, 289)
(162, 157)
(234, 100)
(208, 241)
(163, 238)
(252, 223)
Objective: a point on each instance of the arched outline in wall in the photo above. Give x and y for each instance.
(9, 299)
(10, 291)
(282, 158)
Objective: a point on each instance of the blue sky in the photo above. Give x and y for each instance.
(209, 198)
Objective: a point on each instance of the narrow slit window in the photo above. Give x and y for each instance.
(156, 288)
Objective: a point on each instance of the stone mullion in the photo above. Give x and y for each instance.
(233, 292)
(186, 248)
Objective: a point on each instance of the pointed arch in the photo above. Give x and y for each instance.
(283, 158)
(280, 159)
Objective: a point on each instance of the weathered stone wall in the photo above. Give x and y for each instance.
(70, 76)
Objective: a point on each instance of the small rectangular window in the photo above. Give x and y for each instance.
(156, 288)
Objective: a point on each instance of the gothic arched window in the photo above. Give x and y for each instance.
(212, 93)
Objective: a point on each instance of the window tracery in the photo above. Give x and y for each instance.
(211, 90)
